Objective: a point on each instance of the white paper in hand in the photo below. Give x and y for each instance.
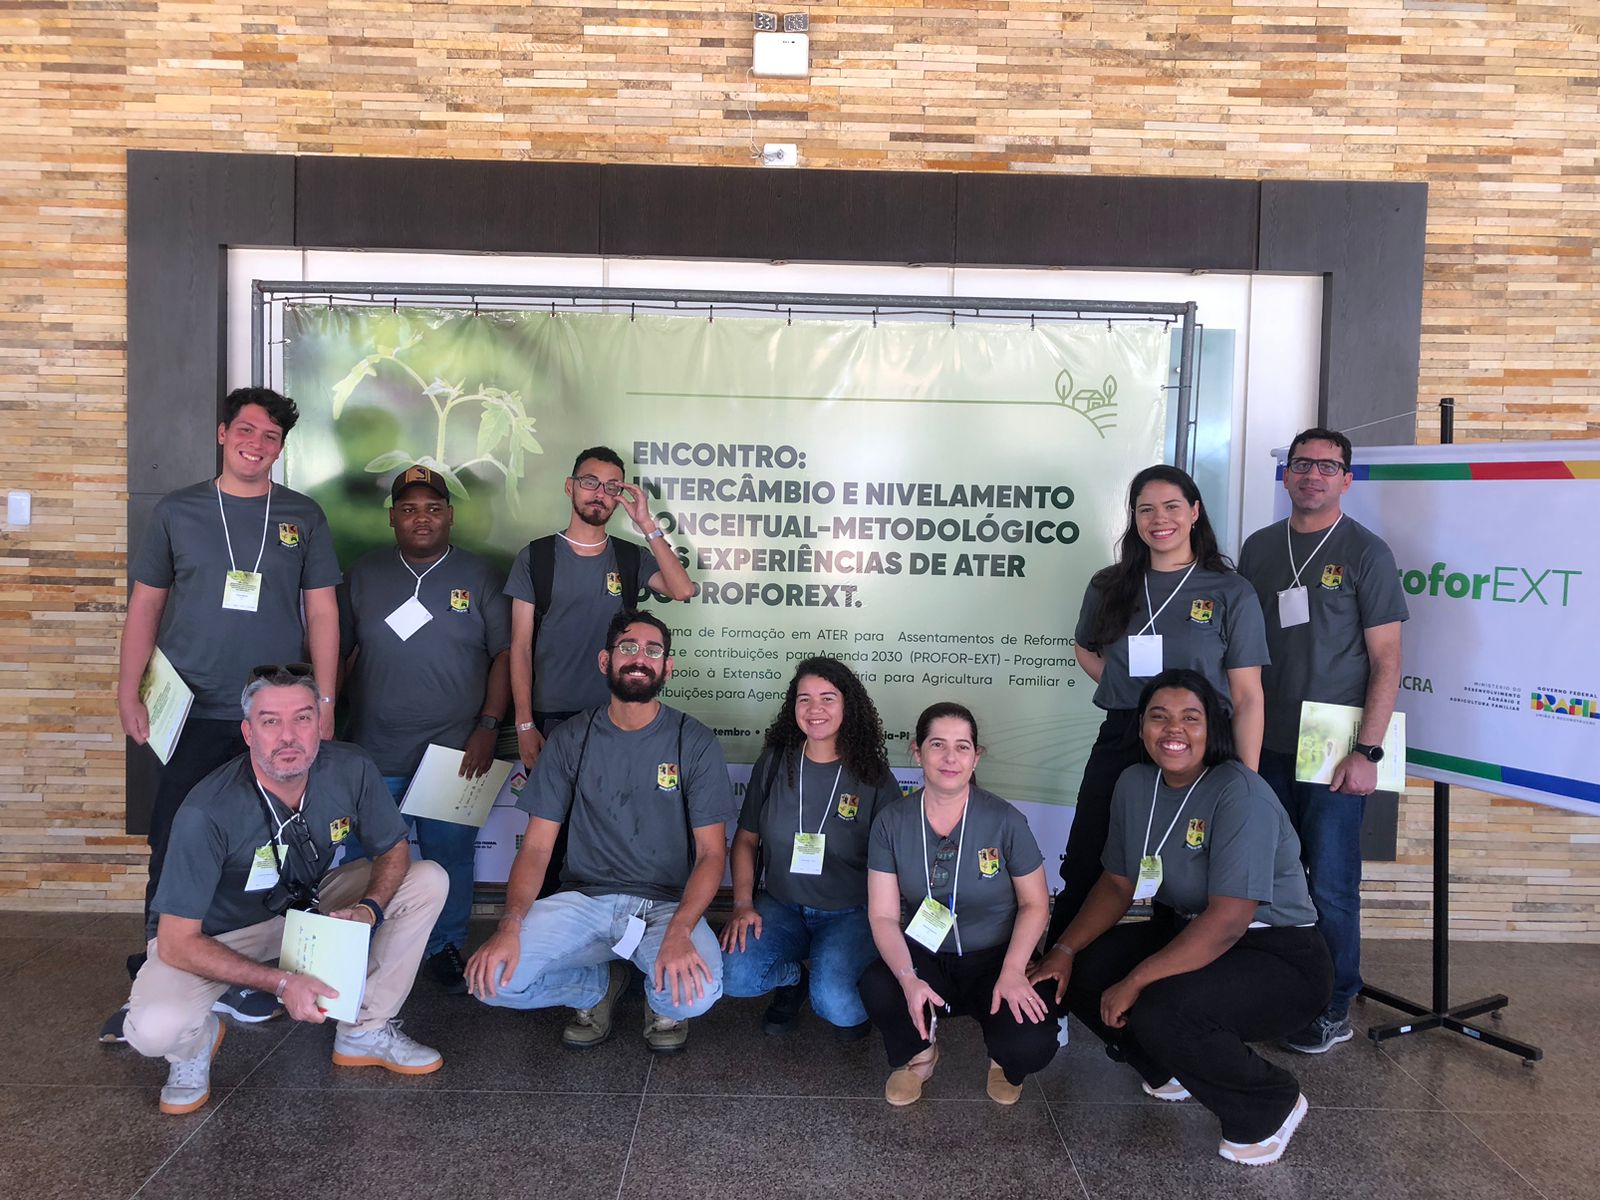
(334, 951)
(438, 791)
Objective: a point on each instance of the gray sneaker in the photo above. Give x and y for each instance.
(384, 1047)
(1321, 1035)
(664, 1035)
(189, 1082)
(591, 1026)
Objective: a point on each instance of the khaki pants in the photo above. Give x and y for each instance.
(168, 1008)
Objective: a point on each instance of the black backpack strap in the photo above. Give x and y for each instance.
(577, 771)
(630, 560)
(542, 570)
(683, 790)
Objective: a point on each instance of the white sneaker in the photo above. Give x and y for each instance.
(1268, 1150)
(384, 1047)
(1171, 1091)
(189, 1081)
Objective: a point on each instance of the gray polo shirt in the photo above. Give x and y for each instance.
(184, 551)
(1232, 838)
(842, 813)
(220, 826)
(430, 687)
(585, 593)
(996, 847)
(1212, 625)
(1351, 586)
(632, 801)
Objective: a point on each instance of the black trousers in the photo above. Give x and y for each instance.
(203, 746)
(1194, 1027)
(547, 722)
(1116, 748)
(967, 984)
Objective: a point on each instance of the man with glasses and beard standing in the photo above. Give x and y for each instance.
(1334, 606)
(254, 839)
(644, 789)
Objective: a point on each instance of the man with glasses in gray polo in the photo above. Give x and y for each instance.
(255, 838)
(566, 587)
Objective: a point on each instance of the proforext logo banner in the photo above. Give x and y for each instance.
(1497, 585)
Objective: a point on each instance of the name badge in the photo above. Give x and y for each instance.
(1149, 877)
(263, 871)
(408, 618)
(241, 591)
(807, 856)
(931, 924)
(630, 939)
(1294, 607)
(1144, 654)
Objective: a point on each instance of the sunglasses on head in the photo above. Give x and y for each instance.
(279, 674)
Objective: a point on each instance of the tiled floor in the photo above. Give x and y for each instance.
(512, 1114)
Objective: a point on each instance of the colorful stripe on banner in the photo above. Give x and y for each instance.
(1476, 472)
(1578, 789)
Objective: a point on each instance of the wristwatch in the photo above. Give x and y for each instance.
(1370, 753)
(485, 721)
(655, 533)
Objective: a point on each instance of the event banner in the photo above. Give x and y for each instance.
(1501, 669)
(922, 499)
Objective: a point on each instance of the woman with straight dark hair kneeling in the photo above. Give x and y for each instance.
(957, 901)
(1202, 833)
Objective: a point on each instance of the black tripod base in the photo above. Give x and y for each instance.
(1455, 1018)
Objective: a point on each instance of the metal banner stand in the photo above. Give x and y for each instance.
(1441, 1014)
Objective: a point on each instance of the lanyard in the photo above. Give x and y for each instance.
(1153, 793)
(418, 589)
(826, 808)
(955, 871)
(1289, 544)
(1151, 623)
(265, 519)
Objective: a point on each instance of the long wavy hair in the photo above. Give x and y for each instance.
(860, 738)
(1122, 583)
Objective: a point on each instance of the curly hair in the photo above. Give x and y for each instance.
(860, 740)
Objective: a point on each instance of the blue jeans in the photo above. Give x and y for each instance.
(1329, 825)
(454, 847)
(566, 952)
(839, 945)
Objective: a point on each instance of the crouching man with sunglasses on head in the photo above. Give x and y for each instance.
(255, 838)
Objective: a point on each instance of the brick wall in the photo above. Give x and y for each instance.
(1493, 103)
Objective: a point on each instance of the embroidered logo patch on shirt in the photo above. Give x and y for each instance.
(288, 533)
(1333, 576)
(460, 600)
(338, 830)
(1196, 837)
(989, 862)
(667, 776)
(1200, 611)
(613, 583)
(848, 806)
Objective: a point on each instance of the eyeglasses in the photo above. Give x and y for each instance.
(296, 831)
(652, 651)
(939, 871)
(276, 672)
(592, 483)
(1324, 466)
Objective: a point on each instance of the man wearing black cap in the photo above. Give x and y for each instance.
(425, 630)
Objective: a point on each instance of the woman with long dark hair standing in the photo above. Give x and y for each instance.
(808, 809)
(1172, 599)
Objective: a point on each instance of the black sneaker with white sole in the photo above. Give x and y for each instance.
(247, 1005)
(111, 1032)
(1321, 1035)
(448, 971)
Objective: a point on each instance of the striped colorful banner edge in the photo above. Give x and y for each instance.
(1475, 472)
(1577, 789)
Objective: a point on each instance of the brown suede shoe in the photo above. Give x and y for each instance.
(1001, 1090)
(905, 1085)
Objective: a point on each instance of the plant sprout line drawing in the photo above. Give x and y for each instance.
(1098, 406)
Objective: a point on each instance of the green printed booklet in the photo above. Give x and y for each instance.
(333, 950)
(168, 700)
(1328, 734)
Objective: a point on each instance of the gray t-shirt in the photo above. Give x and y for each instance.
(585, 593)
(1232, 838)
(430, 687)
(1351, 586)
(996, 847)
(211, 647)
(631, 802)
(842, 813)
(221, 825)
(1212, 625)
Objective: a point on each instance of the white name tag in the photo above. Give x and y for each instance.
(408, 618)
(1144, 655)
(930, 924)
(241, 591)
(630, 939)
(807, 856)
(1149, 877)
(263, 871)
(1294, 607)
